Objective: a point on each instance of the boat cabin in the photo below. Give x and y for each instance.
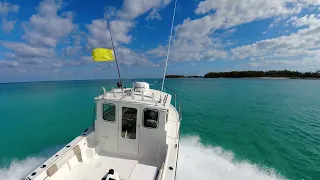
(131, 123)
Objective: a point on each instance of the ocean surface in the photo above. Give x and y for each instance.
(232, 129)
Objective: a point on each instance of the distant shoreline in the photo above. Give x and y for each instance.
(274, 78)
(279, 78)
(273, 74)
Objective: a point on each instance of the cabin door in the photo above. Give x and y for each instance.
(129, 130)
(107, 126)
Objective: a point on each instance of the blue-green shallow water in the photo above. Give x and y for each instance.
(232, 128)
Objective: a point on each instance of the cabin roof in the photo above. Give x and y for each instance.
(125, 95)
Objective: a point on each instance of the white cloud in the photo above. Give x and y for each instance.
(276, 62)
(304, 64)
(230, 31)
(194, 38)
(160, 51)
(305, 42)
(309, 2)
(122, 29)
(225, 14)
(307, 20)
(192, 44)
(299, 51)
(121, 24)
(26, 51)
(274, 23)
(71, 50)
(8, 63)
(128, 57)
(233, 12)
(184, 49)
(46, 27)
(99, 33)
(57, 65)
(5, 9)
(154, 14)
(132, 9)
(77, 62)
(7, 26)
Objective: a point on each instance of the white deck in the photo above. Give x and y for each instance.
(98, 167)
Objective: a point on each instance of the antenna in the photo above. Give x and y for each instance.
(169, 45)
(119, 84)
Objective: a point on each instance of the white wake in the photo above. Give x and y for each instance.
(19, 169)
(196, 162)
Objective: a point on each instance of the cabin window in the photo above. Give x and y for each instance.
(150, 118)
(109, 112)
(129, 123)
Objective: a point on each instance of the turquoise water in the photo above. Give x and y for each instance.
(232, 128)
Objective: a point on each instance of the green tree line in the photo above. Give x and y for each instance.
(272, 73)
(181, 76)
(244, 74)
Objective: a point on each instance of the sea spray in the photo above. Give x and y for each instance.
(19, 169)
(196, 161)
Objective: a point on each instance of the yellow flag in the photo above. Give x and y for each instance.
(102, 54)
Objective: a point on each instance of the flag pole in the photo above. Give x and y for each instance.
(169, 46)
(119, 84)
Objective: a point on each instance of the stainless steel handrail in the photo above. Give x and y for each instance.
(177, 102)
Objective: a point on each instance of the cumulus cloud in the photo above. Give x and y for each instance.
(202, 36)
(50, 25)
(154, 14)
(122, 22)
(26, 51)
(230, 31)
(99, 33)
(71, 50)
(296, 51)
(47, 27)
(233, 12)
(129, 57)
(190, 50)
(194, 39)
(8, 63)
(43, 32)
(133, 9)
(305, 42)
(7, 26)
(277, 62)
(5, 9)
(50, 36)
(307, 20)
(304, 64)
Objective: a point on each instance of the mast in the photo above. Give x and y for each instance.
(119, 84)
(169, 46)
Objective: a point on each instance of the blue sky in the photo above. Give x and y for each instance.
(53, 39)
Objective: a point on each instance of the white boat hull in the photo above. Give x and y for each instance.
(149, 153)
